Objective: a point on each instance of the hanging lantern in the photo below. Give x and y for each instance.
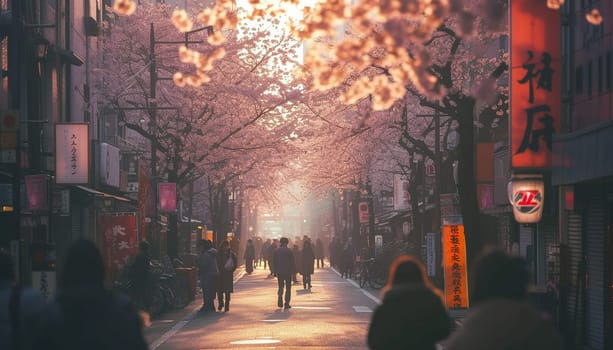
(527, 196)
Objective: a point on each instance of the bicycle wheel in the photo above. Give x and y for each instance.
(377, 279)
(363, 276)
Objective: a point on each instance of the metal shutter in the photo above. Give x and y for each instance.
(574, 223)
(595, 245)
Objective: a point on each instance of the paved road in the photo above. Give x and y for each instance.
(333, 315)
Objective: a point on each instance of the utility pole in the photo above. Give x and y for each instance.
(152, 104)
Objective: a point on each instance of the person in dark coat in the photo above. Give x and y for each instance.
(208, 273)
(307, 264)
(297, 261)
(249, 256)
(140, 276)
(270, 254)
(226, 262)
(412, 314)
(87, 315)
(283, 260)
(347, 259)
(265, 251)
(21, 311)
(319, 252)
(500, 317)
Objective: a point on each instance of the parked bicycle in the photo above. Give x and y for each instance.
(370, 271)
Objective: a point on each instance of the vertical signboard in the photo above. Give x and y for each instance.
(37, 191)
(454, 260)
(535, 82)
(109, 165)
(363, 212)
(167, 191)
(72, 153)
(9, 125)
(118, 240)
(401, 192)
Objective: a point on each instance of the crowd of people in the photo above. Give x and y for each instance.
(412, 314)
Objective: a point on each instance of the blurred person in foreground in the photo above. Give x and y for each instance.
(412, 314)
(500, 317)
(20, 310)
(86, 315)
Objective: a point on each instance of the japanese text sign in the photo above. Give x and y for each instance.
(454, 264)
(535, 82)
(363, 212)
(118, 240)
(72, 153)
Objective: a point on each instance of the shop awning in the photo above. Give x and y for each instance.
(583, 155)
(102, 195)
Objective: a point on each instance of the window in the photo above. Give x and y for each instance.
(589, 79)
(579, 80)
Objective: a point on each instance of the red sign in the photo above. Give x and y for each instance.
(454, 267)
(168, 196)
(118, 240)
(363, 211)
(535, 82)
(37, 190)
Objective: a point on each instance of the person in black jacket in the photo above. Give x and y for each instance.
(283, 262)
(86, 315)
(307, 261)
(412, 314)
(140, 277)
(226, 262)
(249, 256)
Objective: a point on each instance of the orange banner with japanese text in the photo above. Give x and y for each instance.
(454, 265)
(535, 82)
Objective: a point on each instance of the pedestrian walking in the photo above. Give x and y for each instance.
(500, 317)
(208, 272)
(412, 314)
(307, 264)
(249, 256)
(226, 262)
(270, 254)
(21, 311)
(297, 261)
(347, 259)
(319, 252)
(140, 276)
(265, 251)
(284, 264)
(86, 315)
(258, 250)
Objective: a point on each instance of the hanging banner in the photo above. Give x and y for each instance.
(72, 153)
(37, 188)
(535, 82)
(401, 192)
(454, 266)
(363, 212)
(146, 199)
(167, 192)
(118, 240)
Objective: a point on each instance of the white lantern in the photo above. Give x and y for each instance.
(527, 196)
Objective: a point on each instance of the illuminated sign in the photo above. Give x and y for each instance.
(535, 82)
(167, 191)
(526, 195)
(454, 267)
(72, 153)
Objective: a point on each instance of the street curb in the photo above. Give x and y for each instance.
(365, 292)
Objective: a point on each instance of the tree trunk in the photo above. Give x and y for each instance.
(467, 183)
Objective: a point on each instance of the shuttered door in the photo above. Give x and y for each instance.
(574, 224)
(595, 244)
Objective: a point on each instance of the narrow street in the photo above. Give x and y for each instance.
(334, 315)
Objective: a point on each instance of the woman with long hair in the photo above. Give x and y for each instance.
(412, 314)
(226, 262)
